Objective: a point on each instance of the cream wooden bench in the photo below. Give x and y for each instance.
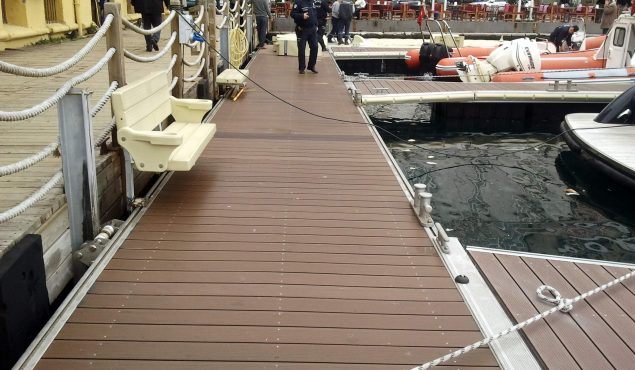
(139, 109)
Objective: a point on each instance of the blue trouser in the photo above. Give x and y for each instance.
(307, 35)
(261, 24)
(335, 26)
(151, 20)
(342, 32)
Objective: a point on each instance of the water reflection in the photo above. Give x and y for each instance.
(542, 200)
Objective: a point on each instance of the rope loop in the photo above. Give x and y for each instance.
(556, 298)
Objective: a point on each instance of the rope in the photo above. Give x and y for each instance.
(64, 66)
(222, 8)
(28, 162)
(198, 72)
(151, 31)
(195, 62)
(105, 132)
(156, 56)
(222, 24)
(172, 63)
(199, 18)
(234, 8)
(174, 81)
(562, 305)
(34, 198)
(238, 47)
(104, 99)
(53, 99)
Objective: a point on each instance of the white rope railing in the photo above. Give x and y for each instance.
(195, 62)
(199, 18)
(243, 24)
(193, 44)
(562, 304)
(243, 12)
(53, 99)
(222, 24)
(153, 58)
(234, 8)
(195, 75)
(172, 63)
(222, 8)
(105, 133)
(104, 99)
(174, 81)
(28, 162)
(64, 66)
(242, 4)
(150, 31)
(34, 198)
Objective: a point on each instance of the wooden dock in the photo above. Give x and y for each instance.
(393, 91)
(290, 245)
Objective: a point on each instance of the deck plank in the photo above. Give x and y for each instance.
(289, 243)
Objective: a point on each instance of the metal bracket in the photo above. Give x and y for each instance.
(569, 86)
(89, 250)
(139, 203)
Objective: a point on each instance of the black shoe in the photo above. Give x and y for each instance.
(302, 71)
(313, 70)
(346, 42)
(329, 39)
(325, 49)
(260, 46)
(155, 46)
(149, 48)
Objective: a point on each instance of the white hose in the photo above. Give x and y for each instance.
(238, 47)
(64, 66)
(53, 99)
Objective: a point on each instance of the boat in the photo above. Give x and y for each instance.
(442, 60)
(524, 60)
(604, 140)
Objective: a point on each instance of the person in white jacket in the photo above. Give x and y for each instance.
(359, 5)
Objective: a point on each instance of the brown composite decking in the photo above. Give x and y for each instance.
(598, 333)
(290, 245)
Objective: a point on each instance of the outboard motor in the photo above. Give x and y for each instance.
(620, 110)
(430, 55)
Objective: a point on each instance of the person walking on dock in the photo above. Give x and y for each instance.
(562, 34)
(608, 16)
(346, 16)
(305, 16)
(322, 13)
(151, 16)
(262, 11)
(335, 20)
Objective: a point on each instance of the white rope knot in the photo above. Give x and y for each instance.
(556, 298)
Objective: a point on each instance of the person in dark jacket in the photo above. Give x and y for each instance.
(346, 16)
(151, 16)
(305, 16)
(323, 9)
(562, 33)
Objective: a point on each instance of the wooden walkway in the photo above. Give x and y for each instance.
(598, 333)
(290, 245)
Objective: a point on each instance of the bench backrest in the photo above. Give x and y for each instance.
(143, 104)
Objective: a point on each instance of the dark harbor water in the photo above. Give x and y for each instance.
(489, 190)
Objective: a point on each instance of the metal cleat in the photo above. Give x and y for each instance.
(442, 238)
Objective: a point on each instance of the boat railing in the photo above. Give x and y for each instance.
(442, 26)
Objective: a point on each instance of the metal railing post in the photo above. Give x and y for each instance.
(249, 30)
(78, 164)
(224, 38)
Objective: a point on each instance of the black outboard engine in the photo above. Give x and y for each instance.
(430, 55)
(620, 110)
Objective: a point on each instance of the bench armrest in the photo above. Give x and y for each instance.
(190, 110)
(153, 137)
